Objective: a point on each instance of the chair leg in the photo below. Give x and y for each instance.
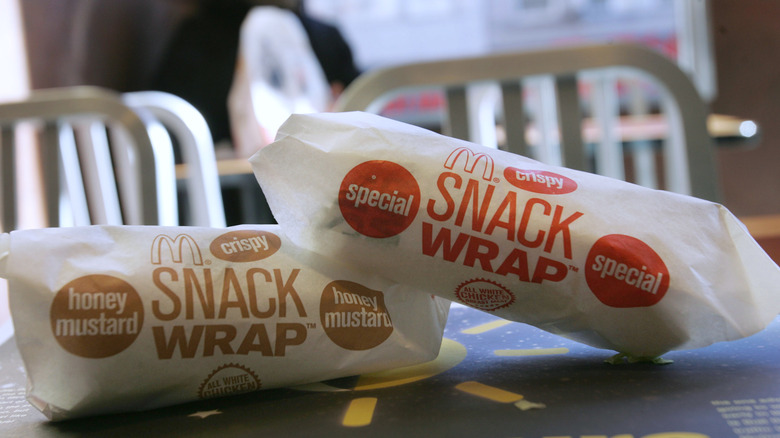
(51, 172)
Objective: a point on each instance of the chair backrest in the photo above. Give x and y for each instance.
(277, 74)
(688, 157)
(104, 161)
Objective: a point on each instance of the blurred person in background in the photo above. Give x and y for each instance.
(198, 64)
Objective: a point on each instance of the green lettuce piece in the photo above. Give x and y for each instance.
(623, 358)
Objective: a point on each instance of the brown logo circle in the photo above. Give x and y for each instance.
(229, 379)
(245, 245)
(96, 316)
(353, 316)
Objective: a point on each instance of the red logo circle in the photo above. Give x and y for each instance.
(623, 271)
(379, 198)
(484, 294)
(539, 181)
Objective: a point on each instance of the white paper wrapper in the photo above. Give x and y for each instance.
(111, 319)
(600, 261)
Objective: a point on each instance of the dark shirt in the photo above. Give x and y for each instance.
(331, 49)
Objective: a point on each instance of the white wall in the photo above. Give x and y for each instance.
(14, 81)
(384, 32)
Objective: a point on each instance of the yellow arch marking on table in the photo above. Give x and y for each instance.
(488, 392)
(360, 412)
(451, 354)
(482, 328)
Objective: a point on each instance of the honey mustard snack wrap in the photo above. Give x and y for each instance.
(111, 319)
(598, 260)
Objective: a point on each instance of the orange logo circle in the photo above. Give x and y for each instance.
(96, 316)
(353, 316)
(379, 198)
(623, 271)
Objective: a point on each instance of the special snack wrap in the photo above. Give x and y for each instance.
(111, 319)
(600, 261)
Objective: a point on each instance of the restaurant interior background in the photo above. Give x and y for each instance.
(118, 44)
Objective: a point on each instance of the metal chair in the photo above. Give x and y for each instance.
(115, 163)
(689, 165)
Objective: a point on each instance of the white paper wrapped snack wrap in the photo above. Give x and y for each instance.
(597, 260)
(111, 319)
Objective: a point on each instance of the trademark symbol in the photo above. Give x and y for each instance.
(573, 268)
(208, 262)
(496, 180)
(311, 325)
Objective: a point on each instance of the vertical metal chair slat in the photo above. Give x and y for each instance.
(165, 168)
(514, 117)
(676, 161)
(546, 115)
(8, 175)
(97, 165)
(482, 104)
(570, 123)
(127, 168)
(74, 209)
(606, 113)
(642, 153)
(51, 171)
(457, 123)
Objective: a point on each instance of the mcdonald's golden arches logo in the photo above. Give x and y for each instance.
(472, 159)
(176, 247)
